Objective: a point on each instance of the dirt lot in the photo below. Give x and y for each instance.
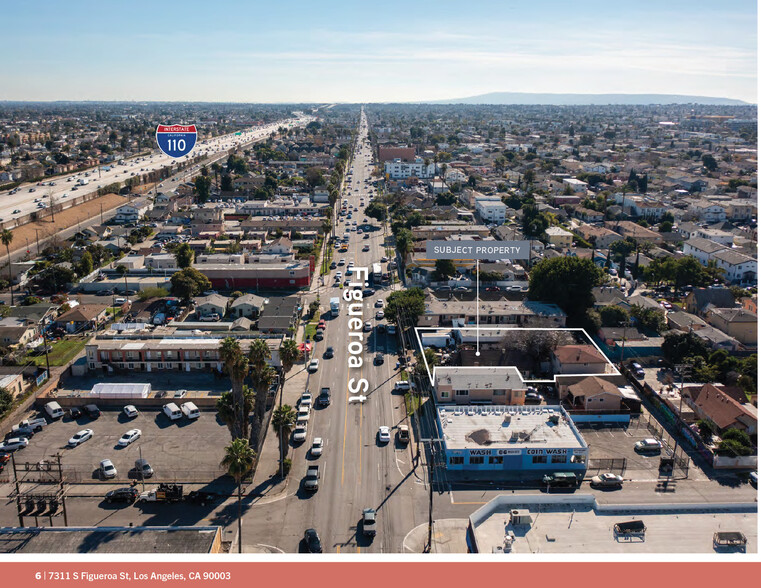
(181, 450)
(63, 220)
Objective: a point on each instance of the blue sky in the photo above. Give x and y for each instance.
(374, 51)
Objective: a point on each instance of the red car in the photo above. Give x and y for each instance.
(322, 324)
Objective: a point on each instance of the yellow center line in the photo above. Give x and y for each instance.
(338, 549)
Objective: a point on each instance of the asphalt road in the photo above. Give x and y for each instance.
(24, 199)
(357, 472)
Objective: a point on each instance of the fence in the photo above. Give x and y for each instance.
(617, 465)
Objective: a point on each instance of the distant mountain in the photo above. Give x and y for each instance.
(587, 99)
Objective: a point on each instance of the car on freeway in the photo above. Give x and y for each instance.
(329, 352)
(607, 480)
(312, 541)
(314, 365)
(130, 437)
(80, 437)
(130, 411)
(317, 445)
(299, 434)
(13, 444)
(648, 445)
(384, 434)
(107, 469)
(128, 495)
(368, 522)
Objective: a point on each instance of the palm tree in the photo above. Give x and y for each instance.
(283, 419)
(7, 238)
(226, 409)
(123, 271)
(239, 461)
(236, 366)
(289, 355)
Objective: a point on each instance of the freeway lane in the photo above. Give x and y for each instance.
(356, 471)
(66, 186)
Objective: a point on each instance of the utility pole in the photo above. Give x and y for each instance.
(37, 234)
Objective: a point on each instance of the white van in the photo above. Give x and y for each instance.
(190, 410)
(403, 385)
(54, 410)
(172, 411)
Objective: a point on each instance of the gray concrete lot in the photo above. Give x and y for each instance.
(181, 450)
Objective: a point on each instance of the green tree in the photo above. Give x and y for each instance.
(289, 354)
(407, 305)
(677, 347)
(430, 357)
(262, 376)
(147, 293)
(705, 429)
(86, 265)
(188, 283)
(709, 162)
(6, 401)
(6, 237)
(445, 268)
(567, 282)
(404, 243)
(184, 256)
(613, 316)
(202, 188)
(227, 183)
(314, 177)
(650, 318)
(665, 227)
(377, 211)
(239, 460)
(283, 419)
(55, 278)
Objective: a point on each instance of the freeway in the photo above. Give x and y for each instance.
(357, 471)
(29, 197)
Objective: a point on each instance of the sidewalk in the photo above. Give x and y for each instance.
(447, 536)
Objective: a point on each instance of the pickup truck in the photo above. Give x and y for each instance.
(35, 424)
(312, 479)
(164, 493)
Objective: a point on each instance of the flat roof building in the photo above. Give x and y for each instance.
(527, 441)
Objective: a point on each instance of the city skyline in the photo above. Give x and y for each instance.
(348, 53)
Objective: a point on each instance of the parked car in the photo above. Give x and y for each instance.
(130, 411)
(92, 411)
(648, 445)
(13, 444)
(128, 495)
(317, 445)
(143, 468)
(314, 365)
(75, 412)
(130, 437)
(80, 437)
(403, 434)
(607, 480)
(638, 370)
(107, 469)
(299, 434)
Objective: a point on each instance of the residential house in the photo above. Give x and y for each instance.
(592, 394)
(707, 211)
(491, 209)
(524, 313)
(479, 385)
(635, 231)
(17, 331)
(700, 299)
(132, 211)
(248, 305)
(735, 322)
(560, 238)
(13, 383)
(702, 248)
(601, 237)
(578, 359)
(82, 318)
(738, 267)
(722, 409)
(212, 304)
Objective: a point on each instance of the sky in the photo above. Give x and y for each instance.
(391, 51)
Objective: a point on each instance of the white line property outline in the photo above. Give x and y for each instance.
(432, 376)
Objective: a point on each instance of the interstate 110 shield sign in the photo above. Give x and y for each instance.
(176, 140)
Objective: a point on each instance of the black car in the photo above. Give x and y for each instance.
(532, 398)
(378, 359)
(381, 328)
(128, 495)
(75, 412)
(368, 292)
(324, 398)
(312, 541)
(92, 411)
(329, 352)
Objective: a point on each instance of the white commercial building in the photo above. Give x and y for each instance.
(491, 209)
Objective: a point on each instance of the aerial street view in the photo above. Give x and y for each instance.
(403, 283)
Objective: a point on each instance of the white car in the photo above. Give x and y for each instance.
(130, 437)
(384, 434)
(300, 433)
(13, 444)
(80, 437)
(368, 327)
(314, 365)
(130, 411)
(107, 469)
(317, 445)
(379, 315)
(306, 399)
(379, 303)
(302, 414)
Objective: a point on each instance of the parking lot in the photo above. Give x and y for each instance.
(163, 384)
(616, 443)
(181, 450)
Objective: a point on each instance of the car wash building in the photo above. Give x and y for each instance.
(521, 442)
